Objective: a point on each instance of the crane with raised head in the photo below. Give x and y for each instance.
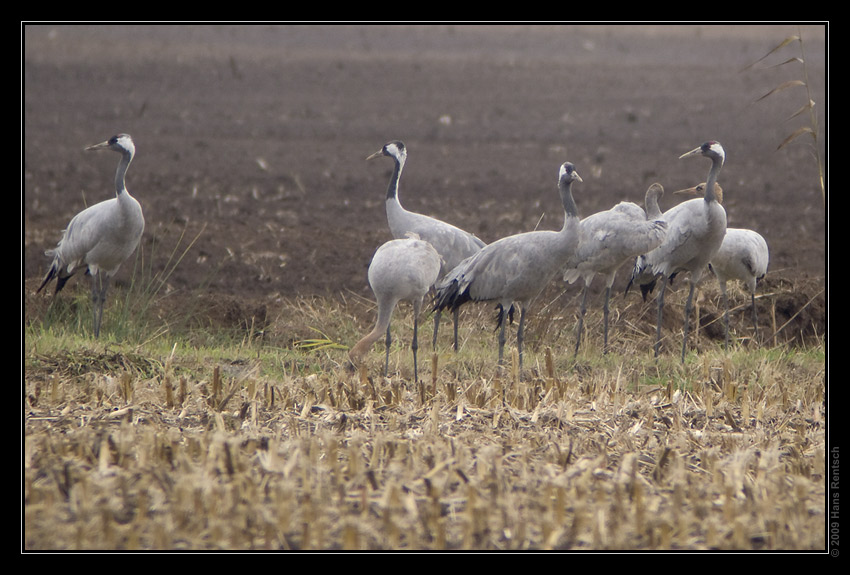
(403, 269)
(515, 269)
(608, 240)
(695, 231)
(101, 237)
(452, 243)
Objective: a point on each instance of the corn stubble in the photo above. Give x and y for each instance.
(559, 461)
(613, 451)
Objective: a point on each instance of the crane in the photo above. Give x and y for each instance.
(401, 269)
(742, 256)
(101, 237)
(452, 243)
(608, 240)
(695, 231)
(515, 269)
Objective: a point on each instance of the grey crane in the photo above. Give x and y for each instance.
(695, 231)
(742, 256)
(402, 269)
(452, 243)
(101, 237)
(608, 240)
(515, 269)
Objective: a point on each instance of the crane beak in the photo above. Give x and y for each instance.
(689, 191)
(700, 190)
(694, 152)
(100, 146)
(377, 154)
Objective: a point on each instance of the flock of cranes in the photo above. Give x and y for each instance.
(428, 255)
(695, 230)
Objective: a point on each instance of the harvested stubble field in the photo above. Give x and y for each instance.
(265, 448)
(218, 410)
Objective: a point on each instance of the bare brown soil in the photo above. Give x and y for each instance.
(255, 138)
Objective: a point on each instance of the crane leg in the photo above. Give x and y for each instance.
(605, 319)
(99, 285)
(660, 314)
(415, 346)
(455, 319)
(582, 311)
(502, 321)
(520, 337)
(387, 360)
(688, 307)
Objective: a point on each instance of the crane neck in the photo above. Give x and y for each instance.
(385, 310)
(392, 188)
(570, 209)
(120, 187)
(716, 165)
(653, 211)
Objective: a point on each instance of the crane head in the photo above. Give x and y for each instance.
(568, 172)
(710, 149)
(655, 189)
(394, 149)
(119, 143)
(699, 190)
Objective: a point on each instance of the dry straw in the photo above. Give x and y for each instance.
(618, 452)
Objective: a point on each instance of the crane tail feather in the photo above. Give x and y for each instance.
(500, 315)
(60, 283)
(51, 273)
(646, 289)
(449, 296)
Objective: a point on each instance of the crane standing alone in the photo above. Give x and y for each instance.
(515, 269)
(102, 236)
(452, 243)
(403, 269)
(608, 240)
(695, 231)
(742, 256)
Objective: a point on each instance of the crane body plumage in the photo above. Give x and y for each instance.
(401, 269)
(101, 237)
(695, 231)
(452, 243)
(743, 256)
(515, 269)
(608, 240)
